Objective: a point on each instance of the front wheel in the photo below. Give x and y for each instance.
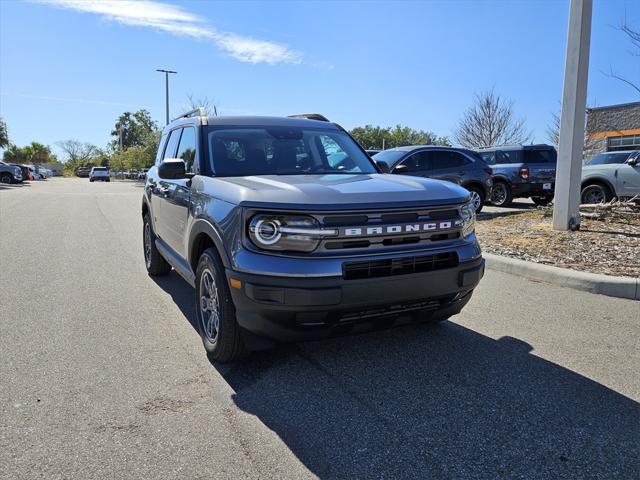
(596, 193)
(215, 311)
(477, 198)
(6, 178)
(501, 194)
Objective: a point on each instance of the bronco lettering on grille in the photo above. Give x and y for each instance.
(397, 229)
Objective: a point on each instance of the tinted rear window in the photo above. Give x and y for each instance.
(540, 156)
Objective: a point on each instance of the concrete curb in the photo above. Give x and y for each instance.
(623, 287)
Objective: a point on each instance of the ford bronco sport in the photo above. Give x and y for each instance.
(289, 231)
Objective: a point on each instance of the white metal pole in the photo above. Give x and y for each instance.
(566, 213)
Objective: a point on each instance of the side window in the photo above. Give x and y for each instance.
(488, 157)
(418, 162)
(446, 159)
(172, 143)
(507, 156)
(187, 148)
(161, 144)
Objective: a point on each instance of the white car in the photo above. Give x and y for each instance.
(611, 174)
(99, 173)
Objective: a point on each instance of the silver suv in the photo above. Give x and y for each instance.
(611, 174)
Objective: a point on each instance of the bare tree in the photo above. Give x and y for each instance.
(633, 36)
(489, 121)
(591, 145)
(205, 102)
(77, 152)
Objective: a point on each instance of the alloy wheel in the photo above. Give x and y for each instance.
(499, 193)
(147, 243)
(476, 200)
(209, 305)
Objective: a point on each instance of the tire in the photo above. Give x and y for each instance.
(595, 193)
(477, 196)
(6, 178)
(215, 311)
(91, 180)
(501, 194)
(542, 201)
(156, 265)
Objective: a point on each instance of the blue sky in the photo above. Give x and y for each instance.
(69, 68)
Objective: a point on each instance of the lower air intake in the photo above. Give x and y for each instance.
(398, 266)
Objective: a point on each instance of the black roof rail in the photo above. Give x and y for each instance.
(311, 116)
(196, 112)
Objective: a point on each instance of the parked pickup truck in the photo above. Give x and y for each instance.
(289, 231)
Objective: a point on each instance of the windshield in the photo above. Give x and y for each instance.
(609, 158)
(246, 151)
(390, 156)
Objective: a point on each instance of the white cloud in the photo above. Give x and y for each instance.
(177, 21)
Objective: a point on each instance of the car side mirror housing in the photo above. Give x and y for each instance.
(384, 166)
(401, 169)
(633, 161)
(172, 169)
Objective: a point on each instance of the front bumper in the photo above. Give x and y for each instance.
(283, 309)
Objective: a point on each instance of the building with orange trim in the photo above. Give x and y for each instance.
(614, 127)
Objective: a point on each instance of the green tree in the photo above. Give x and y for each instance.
(138, 129)
(374, 137)
(4, 136)
(33, 153)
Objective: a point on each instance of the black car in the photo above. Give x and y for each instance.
(457, 165)
(289, 231)
(521, 171)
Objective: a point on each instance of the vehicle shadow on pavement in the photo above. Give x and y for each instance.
(432, 402)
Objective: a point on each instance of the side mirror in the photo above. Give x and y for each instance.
(172, 169)
(633, 161)
(401, 169)
(384, 166)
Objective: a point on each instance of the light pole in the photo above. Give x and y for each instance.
(566, 214)
(166, 89)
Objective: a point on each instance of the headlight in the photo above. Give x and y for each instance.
(297, 233)
(468, 217)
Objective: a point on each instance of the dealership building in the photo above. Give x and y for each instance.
(614, 127)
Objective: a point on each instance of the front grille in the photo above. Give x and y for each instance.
(387, 230)
(398, 266)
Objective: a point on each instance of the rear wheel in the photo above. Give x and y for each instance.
(501, 194)
(6, 178)
(216, 313)
(477, 198)
(156, 265)
(595, 193)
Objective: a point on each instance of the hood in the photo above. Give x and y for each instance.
(334, 192)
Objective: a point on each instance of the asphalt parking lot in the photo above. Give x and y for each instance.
(103, 374)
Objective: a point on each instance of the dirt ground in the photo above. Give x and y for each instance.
(611, 246)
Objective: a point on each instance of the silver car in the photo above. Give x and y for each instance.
(609, 175)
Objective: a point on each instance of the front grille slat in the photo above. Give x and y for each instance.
(398, 266)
